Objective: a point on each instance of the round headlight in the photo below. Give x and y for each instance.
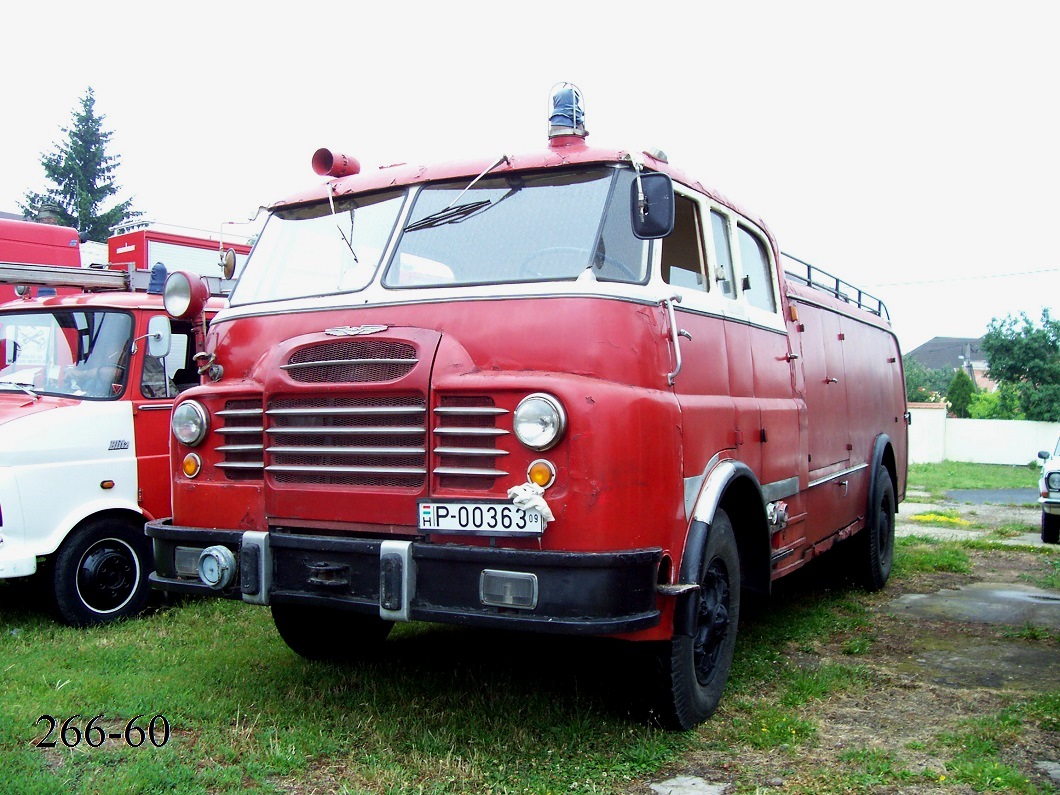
(184, 295)
(539, 421)
(1052, 482)
(189, 423)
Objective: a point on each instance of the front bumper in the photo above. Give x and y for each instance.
(414, 580)
(15, 559)
(1050, 505)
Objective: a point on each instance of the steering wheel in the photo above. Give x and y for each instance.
(527, 270)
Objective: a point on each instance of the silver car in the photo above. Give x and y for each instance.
(1049, 488)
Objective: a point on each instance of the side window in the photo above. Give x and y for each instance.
(723, 268)
(682, 251)
(757, 273)
(176, 372)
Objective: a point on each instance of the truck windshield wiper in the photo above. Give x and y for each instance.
(456, 211)
(22, 387)
(447, 216)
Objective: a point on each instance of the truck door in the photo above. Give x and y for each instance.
(826, 389)
(152, 392)
(702, 387)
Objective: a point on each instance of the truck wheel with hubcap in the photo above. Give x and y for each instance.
(694, 669)
(326, 633)
(874, 545)
(100, 572)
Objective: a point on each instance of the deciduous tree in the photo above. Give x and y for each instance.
(1027, 357)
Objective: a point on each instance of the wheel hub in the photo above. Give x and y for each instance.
(106, 577)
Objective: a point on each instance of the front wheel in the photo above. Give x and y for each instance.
(694, 669)
(326, 633)
(100, 573)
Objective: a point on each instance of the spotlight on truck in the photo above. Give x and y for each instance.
(185, 295)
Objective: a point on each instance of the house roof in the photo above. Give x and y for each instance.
(948, 353)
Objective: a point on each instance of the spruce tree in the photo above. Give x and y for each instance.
(83, 177)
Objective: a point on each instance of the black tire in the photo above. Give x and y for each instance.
(874, 545)
(693, 670)
(100, 573)
(325, 633)
(1050, 528)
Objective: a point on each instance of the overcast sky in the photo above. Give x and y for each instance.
(908, 147)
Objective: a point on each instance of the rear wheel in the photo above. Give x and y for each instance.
(100, 573)
(325, 633)
(694, 669)
(1050, 528)
(875, 544)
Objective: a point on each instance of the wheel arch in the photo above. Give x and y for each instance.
(882, 456)
(124, 516)
(733, 487)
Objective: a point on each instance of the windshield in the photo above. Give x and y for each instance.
(520, 228)
(304, 251)
(77, 354)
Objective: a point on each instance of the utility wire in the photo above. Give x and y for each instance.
(964, 278)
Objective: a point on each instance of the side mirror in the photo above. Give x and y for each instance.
(159, 336)
(651, 205)
(228, 263)
(1043, 454)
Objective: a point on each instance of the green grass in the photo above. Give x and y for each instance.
(937, 479)
(977, 749)
(919, 554)
(445, 710)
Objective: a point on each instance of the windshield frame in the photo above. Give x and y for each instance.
(325, 213)
(614, 204)
(84, 376)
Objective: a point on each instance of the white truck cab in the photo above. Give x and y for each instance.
(87, 384)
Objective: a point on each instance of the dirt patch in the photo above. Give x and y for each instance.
(929, 678)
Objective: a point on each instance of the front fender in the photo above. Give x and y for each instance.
(727, 484)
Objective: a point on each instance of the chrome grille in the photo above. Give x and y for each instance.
(352, 362)
(243, 446)
(465, 438)
(372, 441)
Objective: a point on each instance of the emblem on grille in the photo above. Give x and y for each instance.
(353, 331)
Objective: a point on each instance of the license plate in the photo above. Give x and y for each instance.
(479, 518)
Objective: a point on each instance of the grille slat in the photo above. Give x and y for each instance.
(352, 362)
(242, 423)
(467, 428)
(367, 430)
(348, 441)
(316, 450)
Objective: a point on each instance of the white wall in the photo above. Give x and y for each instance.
(935, 437)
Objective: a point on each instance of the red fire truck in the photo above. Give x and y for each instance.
(570, 391)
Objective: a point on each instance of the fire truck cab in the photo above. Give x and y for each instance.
(87, 382)
(570, 391)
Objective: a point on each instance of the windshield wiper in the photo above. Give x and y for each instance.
(456, 211)
(347, 240)
(23, 387)
(447, 216)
